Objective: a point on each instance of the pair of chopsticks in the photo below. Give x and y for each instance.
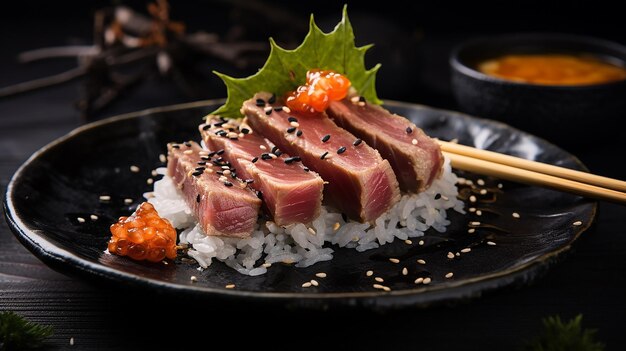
(531, 172)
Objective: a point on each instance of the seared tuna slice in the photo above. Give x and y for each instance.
(223, 205)
(360, 182)
(290, 191)
(415, 157)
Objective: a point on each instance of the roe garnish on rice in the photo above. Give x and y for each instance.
(383, 178)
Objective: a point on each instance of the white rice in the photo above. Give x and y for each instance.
(296, 243)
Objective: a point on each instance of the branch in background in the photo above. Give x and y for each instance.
(568, 336)
(17, 333)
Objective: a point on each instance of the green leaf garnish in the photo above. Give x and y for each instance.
(285, 70)
(569, 336)
(17, 333)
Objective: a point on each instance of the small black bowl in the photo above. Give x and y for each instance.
(567, 115)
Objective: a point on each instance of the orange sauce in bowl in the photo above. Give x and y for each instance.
(553, 69)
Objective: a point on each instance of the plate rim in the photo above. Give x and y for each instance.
(63, 260)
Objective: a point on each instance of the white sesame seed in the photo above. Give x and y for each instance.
(222, 179)
(471, 230)
(500, 185)
(242, 185)
(515, 215)
(134, 169)
(474, 223)
(306, 285)
(483, 191)
(420, 261)
(262, 147)
(225, 167)
(314, 282)
(419, 280)
(226, 172)
(421, 242)
(491, 243)
(273, 156)
(128, 201)
(472, 198)
(148, 195)
(405, 271)
(149, 181)
(414, 141)
(472, 209)
(105, 198)
(240, 135)
(386, 288)
(286, 109)
(188, 152)
(165, 263)
(427, 280)
(294, 124)
(378, 286)
(93, 217)
(479, 213)
(312, 231)
(408, 242)
(445, 198)
(394, 260)
(369, 273)
(162, 158)
(193, 278)
(336, 226)
(72, 341)
(480, 182)
(320, 275)
(458, 254)
(354, 99)
(449, 275)
(208, 170)
(230, 286)
(577, 223)
(266, 265)
(450, 255)
(466, 250)
(154, 173)
(80, 219)
(379, 279)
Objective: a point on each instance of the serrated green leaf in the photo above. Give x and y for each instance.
(285, 70)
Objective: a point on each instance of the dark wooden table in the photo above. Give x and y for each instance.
(591, 281)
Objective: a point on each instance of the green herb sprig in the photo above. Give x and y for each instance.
(564, 336)
(17, 333)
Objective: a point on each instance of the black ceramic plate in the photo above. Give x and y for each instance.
(63, 181)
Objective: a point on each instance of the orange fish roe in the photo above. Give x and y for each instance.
(322, 87)
(143, 236)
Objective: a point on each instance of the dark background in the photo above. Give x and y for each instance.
(413, 43)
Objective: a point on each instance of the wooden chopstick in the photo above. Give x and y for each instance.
(530, 172)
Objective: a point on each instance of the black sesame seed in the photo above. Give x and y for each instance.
(200, 168)
(206, 127)
(291, 130)
(268, 112)
(205, 158)
(278, 109)
(201, 163)
(341, 150)
(220, 152)
(344, 217)
(219, 159)
(175, 146)
(245, 131)
(437, 196)
(219, 173)
(272, 99)
(255, 159)
(274, 149)
(357, 142)
(292, 159)
(212, 153)
(362, 98)
(409, 130)
(249, 181)
(219, 124)
(325, 138)
(198, 198)
(234, 138)
(306, 169)
(278, 153)
(187, 144)
(196, 173)
(260, 102)
(259, 194)
(299, 133)
(292, 119)
(324, 155)
(233, 174)
(228, 183)
(222, 133)
(266, 156)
